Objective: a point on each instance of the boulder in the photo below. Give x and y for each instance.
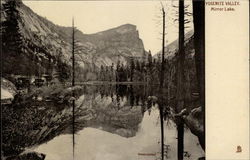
(194, 121)
(8, 91)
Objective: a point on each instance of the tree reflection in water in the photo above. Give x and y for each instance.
(39, 122)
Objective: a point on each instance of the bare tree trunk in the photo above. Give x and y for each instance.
(73, 84)
(73, 53)
(180, 56)
(161, 86)
(163, 50)
(180, 80)
(199, 45)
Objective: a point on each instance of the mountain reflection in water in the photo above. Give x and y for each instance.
(120, 127)
(96, 144)
(111, 122)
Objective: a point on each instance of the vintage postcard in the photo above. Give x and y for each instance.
(124, 80)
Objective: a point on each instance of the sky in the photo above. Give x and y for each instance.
(95, 16)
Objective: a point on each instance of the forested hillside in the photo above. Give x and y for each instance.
(34, 45)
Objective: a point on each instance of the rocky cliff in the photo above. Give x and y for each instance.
(117, 117)
(31, 121)
(42, 46)
(172, 48)
(109, 46)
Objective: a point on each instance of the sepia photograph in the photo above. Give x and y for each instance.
(103, 80)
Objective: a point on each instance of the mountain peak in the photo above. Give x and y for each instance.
(122, 29)
(47, 42)
(127, 25)
(126, 28)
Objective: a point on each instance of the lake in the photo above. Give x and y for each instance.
(108, 122)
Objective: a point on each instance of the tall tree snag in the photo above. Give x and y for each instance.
(199, 46)
(180, 80)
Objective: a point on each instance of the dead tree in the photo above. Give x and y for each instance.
(73, 53)
(162, 83)
(73, 84)
(199, 46)
(180, 80)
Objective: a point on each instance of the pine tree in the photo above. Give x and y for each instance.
(112, 72)
(132, 67)
(102, 73)
(12, 46)
(150, 59)
(138, 66)
(107, 73)
(118, 71)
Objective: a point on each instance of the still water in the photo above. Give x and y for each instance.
(96, 144)
(112, 135)
(110, 123)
